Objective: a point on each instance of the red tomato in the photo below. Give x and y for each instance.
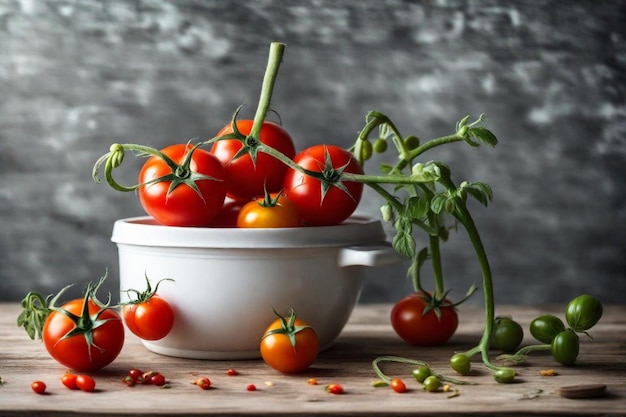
(38, 387)
(269, 212)
(278, 351)
(334, 389)
(247, 179)
(306, 192)
(415, 327)
(69, 380)
(398, 385)
(86, 383)
(75, 351)
(182, 205)
(227, 217)
(151, 319)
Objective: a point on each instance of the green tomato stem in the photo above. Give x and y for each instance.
(277, 50)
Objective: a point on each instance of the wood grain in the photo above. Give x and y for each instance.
(348, 362)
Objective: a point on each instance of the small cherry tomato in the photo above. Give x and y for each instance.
(461, 363)
(251, 387)
(136, 375)
(231, 372)
(148, 316)
(85, 383)
(432, 384)
(507, 334)
(421, 373)
(583, 312)
(416, 327)
(227, 217)
(270, 211)
(204, 383)
(69, 380)
(335, 389)
(289, 344)
(157, 379)
(545, 327)
(38, 387)
(565, 347)
(398, 385)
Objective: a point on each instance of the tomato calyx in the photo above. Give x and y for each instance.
(288, 327)
(143, 296)
(330, 176)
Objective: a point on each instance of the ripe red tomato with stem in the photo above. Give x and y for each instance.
(147, 315)
(183, 186)
(421, 320)
(248, 172)
(321, 195)
(289, 344)
(83, 334)
(270, 211)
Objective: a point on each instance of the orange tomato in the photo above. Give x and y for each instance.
(289, 345)
(271, 211)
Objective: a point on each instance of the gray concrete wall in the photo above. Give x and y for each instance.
(76, 76)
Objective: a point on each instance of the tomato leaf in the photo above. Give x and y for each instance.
(483, 135)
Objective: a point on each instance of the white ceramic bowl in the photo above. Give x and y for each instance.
(227, 280)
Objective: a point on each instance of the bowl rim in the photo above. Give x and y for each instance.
(144, 231)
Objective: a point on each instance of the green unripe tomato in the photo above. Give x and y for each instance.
(380, 145)
(421, 373)
(504, 375)
(545, 327)
(432, 383)
(412, 142)
(364, 150)
(461, 363)
(583, 312)
(507, 334)
(565, 347)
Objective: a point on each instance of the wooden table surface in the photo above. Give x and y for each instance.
(367, 336)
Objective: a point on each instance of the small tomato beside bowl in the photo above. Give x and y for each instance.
(289, 344)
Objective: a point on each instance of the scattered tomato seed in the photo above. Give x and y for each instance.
(251, 387)
(269, 384)
(231, 372)
(312, 381)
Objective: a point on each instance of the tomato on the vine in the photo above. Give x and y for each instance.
(148, 316)
(182, 195)
(565, 347)
(328, 201)
(418, 325)
(545, 327)
(507, 334)
(461, 363)
(247, 178)
(270, 211)
(79, 351)
(289, 344)
(583, 312)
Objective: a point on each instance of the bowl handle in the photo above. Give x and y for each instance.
(379, 255)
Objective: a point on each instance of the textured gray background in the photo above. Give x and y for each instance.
(76, 76)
